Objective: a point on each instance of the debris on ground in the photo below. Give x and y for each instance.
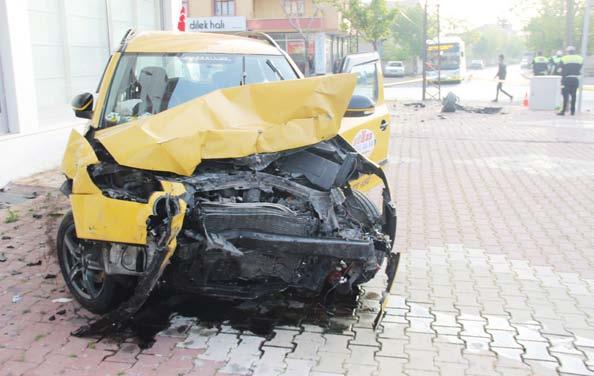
(3, 257)
(415, 104)
(16, 298)
(36, 263)
(62, 300)
(6, 237)
(49, 276)
(451, 103)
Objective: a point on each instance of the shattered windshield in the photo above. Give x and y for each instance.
(146, 84)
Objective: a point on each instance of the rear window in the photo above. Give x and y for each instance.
(146, 84)
(395, 64)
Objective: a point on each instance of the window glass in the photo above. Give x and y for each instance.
(145, 84)
(366, 80)
(295, 7)
(224, 7)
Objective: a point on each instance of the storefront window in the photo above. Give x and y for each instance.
(295, 7)
(224, 7)
(71, 42)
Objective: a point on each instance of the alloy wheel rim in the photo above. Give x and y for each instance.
(84, 274)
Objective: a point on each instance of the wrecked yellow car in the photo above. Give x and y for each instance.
(211, 163)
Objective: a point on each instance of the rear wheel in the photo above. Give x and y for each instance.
(81, 267)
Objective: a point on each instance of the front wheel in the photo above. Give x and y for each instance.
(80, 263)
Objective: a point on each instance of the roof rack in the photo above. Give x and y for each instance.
(129, 34)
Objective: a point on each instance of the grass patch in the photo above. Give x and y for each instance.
(12, 217)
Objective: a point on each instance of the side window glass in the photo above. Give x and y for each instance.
(366, 80)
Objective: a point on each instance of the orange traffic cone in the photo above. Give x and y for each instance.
(525, 101)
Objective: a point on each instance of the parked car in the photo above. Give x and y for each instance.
(213, 155)
(477, 64)
(394, 69)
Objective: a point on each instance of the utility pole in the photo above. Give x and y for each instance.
(569, 23)
(425, 53)
(439, 53)
(585, 35)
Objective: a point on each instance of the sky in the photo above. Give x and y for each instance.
(481, 12)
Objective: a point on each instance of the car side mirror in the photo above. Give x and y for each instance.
(82, 105)
(360, 105)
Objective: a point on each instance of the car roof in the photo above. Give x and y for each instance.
(179, 42)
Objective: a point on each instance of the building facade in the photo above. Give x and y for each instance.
(293, 24)
(50, 51)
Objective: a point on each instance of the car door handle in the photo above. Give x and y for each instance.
(384, 125)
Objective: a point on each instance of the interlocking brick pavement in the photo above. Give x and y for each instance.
(496, 276)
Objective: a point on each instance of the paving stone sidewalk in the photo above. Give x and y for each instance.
(496, 230)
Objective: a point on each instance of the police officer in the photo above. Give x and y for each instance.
(554, 62)
(540, 65)
(571, 67)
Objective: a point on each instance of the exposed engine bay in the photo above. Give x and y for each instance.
(264, 223)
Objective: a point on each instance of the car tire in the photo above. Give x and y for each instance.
(93, 289)
(362, 208)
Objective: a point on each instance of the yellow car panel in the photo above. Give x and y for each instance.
(102, 218)
(231, 123)
(370, 134)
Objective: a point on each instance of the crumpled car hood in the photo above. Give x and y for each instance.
(232, 123)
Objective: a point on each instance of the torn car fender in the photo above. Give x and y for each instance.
(97, 217)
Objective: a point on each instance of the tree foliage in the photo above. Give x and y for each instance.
(371, 20)
(487, 42)
(546, 30)
(407, 34)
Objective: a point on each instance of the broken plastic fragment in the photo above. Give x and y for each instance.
(62, 300)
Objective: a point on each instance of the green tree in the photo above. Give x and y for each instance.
(488, 41)
(546, 31)
(371, 20)
(407, 33)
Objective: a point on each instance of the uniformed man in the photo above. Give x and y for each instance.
(571, 68)
(554, 64)
(540, 65)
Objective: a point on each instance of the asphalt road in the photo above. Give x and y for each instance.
(478, 87)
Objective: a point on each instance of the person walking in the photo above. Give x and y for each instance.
(540, 65)
(571, 68)
(501, 74)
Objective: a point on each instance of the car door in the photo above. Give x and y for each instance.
(368, 132)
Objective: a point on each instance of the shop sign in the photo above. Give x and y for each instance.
(297, 47)
(216, 24)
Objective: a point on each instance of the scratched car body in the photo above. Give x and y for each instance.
(211, 162)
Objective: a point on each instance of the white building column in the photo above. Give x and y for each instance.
(17, 64)
(170, 14)
(320, 58)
